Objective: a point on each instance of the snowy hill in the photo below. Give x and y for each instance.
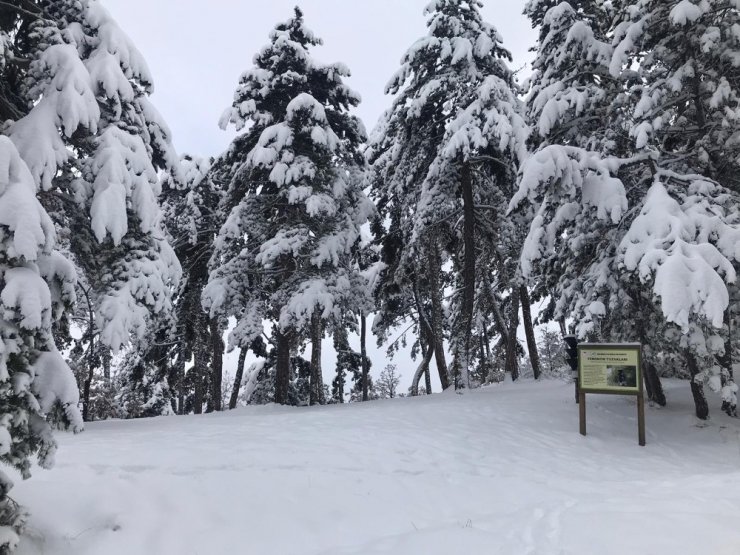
(496, 471)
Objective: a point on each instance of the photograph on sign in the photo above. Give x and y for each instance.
(612, 369)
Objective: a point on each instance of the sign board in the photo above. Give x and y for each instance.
(611, 369)
(604, 368)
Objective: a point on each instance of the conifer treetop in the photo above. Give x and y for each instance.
(458, 42)
(283, 69)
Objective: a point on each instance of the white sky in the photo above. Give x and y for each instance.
(196, 50)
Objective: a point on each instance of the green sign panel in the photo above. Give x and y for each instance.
(609, 369)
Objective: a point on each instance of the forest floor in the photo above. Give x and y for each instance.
(500, 470)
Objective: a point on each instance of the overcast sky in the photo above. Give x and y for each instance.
(196, 50)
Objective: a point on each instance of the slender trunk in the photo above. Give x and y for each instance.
(282, 367)
(512, 346)
(423, 369)
(316, 395)
(653, 387)
(725, 361)
(90, 358)
(86, 392)
(107, 359)
(468, 306)
(656, 388)
(238, 379)
(363, 355)
(646, 380)
(200, 363)
(217, 366)
(435, 269)
(482, 356)
(534, 356)
(180, 379)
(498, 315)
(563, 329)
(489, 355)
(426, 337)
(697, 389)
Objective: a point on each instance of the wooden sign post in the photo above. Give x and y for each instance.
(611, 370)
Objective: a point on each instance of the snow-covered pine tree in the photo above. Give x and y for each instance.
(445, 152)
(94, 144)
(295, 202)
(687, 116)
(628, 208)
(570, 97)
(36, 284)
(192, 217)
(580, 141)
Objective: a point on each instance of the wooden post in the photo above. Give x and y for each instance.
(641, 419)
(582, 410)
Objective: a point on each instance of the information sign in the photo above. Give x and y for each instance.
(609, 369)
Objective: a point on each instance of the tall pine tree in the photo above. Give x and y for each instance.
(444, 160)
(295, 203)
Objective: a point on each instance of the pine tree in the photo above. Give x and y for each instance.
(192, 217)
(447, 150)
(36, 285)
(294, 199)
(687, 115)
(625, 207)
(75, 90)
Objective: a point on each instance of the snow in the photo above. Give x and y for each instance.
(53, 383)
(66, 102)
(501, 470)
(20, 211)
(687, 12)
(669, 243)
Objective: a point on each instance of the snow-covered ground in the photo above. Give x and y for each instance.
(497, 471)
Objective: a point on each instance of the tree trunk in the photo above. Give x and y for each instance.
(428, 380)
(200, 364)
(512, 344)
(201, 353)
(282, 367)
(363, 355)
(316, 395)
(86, 392)
(468, 305)
(725, 361)
(697, 389)
(652, 381)
(217, 366)
(646, 380)
(534, 356)
(90, 358)
(238, 379)
(435, 269)
(423, 369)
(107, 359)
(655, 389)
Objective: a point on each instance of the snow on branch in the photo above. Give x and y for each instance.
(686, 242)
(559, 183)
